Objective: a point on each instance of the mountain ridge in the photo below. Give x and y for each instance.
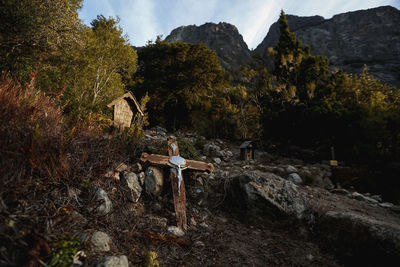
(350, 40)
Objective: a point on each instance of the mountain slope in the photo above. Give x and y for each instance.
(350, 40)
(223, 37)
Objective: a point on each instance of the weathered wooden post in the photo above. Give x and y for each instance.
(177, 164)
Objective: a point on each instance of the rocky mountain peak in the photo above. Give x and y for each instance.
(350, 40)
(223, 37)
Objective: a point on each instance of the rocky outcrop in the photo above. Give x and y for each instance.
(267, 193)
(350, 40)
(223, 37)
(368, 231)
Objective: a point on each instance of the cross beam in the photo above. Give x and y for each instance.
(177, 164)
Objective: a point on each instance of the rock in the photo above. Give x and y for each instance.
(327, 183)
(361, 197)
(74, 192)
(223, 37)
(262, 193)
(357, 196)
(229, 154)
(100, 241)
(199, 243)
(139, 167)
(204, 225)
(377, 198)
(154, 180)
(131, 182)
(217, 160)
(295, 178)
(386, 205)
(340, 191)
(141, 177)
(371, 200)
(176, 231)
(222, 219)
(350, 40)
(114, 261)
(361, 234)
(121, 167)
(159, 130)
(291, 169)
(106, 205)
(211, 150)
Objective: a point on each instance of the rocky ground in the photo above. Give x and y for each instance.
(271, 211)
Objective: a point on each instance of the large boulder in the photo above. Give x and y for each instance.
(263, 193)
(369, 241)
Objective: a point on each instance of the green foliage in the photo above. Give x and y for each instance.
(102, 59)
(183, 81)
(35, 33)
(66, 250)
(309, 106)
(187, 149)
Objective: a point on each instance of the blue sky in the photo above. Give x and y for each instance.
(143, 20)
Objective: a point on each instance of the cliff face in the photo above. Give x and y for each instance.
(224, 38)
(350, 40)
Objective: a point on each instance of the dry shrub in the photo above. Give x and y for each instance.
(31, 139)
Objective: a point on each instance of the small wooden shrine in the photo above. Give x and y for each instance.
(247, 150)
(126, 108)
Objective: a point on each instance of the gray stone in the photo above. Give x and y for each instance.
(141, 177)
(223, 37)
(176, 231)
(106, 205)
(361, 197)
(358, 231)
(199, 243)
(295, 178)
(131, 182)
(291, 169)
(229, 154)
(100, 241)
(74, 192)
(386, 205)
(377, 198)
(357, 196)
(154, 180)
(267, 192)
(327, 183)
(217, 160)
(114, 261)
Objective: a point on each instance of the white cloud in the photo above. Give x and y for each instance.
(138, 19)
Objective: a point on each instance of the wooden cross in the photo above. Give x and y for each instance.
(177, 164)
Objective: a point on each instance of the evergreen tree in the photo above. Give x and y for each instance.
(35, 33)
(181, 79)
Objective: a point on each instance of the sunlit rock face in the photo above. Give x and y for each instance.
(350, 40)
(223, 37)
